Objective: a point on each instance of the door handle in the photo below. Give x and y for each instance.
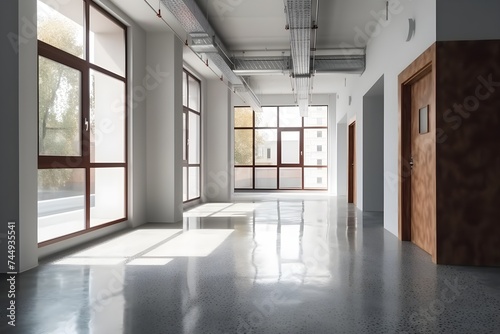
(411, 163)
(86, 124)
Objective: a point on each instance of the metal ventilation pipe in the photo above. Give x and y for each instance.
(299, 22)
(202, 40)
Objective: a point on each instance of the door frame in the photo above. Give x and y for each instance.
(421, 66)
(301, 156)
(351, 163)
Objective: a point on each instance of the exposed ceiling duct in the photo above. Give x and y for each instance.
(202, 40)
(246, 92)
(300, 62)
(299, 23)
(349, 63)
(352, 64)
(262, 65)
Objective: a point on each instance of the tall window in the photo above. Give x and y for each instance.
(82, 137)
(191, 151)
(278, 149)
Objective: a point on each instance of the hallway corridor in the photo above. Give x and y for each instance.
(267, 263)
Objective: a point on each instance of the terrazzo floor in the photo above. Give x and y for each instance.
(271, 263)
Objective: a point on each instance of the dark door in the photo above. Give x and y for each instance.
(351, 191)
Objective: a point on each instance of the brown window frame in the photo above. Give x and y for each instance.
(186, 110)
(83, 161)
(279, 165)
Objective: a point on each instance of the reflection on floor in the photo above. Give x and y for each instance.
(279, 264)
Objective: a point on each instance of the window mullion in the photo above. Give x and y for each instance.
(86, 121)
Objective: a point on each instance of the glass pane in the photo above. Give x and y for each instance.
(194, 182)
(194, 94)
(315, 147)
(243, 117)
(243, 178)
(290, 117)
(266, 178)
(60, 24)
(266, 147)
(290, 178)
(59, 114)
(107, 195)
(316, 178)
(243, 147)
(317, 116)
(194, 138)
(267, 118)
(107, 118)
(185, 184)
(290, 147)
(61, 202)
(106, 43)
(184, 136)
(184, 89)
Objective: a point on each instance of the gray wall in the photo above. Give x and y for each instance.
(373, 148)
(164, 130)
(18, 131)
(467, 20)
(28, 136)
(9, 126)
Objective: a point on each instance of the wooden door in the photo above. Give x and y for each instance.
(351, 187)
(423, 161)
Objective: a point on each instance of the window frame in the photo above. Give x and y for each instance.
(84, 66)
(254, 166)
(186, 110)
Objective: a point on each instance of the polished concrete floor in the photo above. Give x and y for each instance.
(279, 264)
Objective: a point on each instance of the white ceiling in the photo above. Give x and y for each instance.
(260, 25)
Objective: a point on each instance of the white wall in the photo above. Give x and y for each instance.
(342, 148)
(137, 125)
(218, 145)
(373, 153)
(468, 20)
(388, 54)
(332, 144)
(164, 128)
